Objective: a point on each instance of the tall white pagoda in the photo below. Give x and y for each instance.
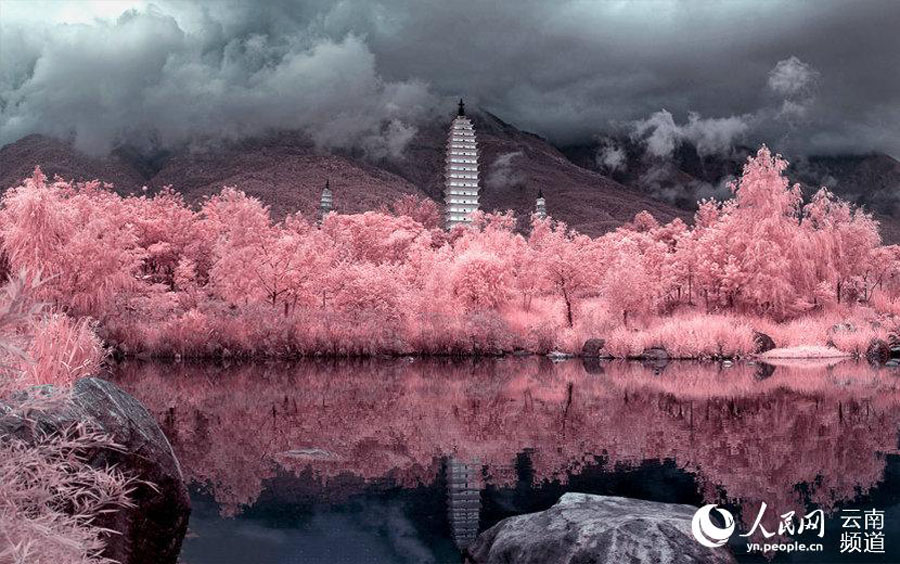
(461, 171)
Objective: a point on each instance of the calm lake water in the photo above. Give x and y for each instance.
(407, 460)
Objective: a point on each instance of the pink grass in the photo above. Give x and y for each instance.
(50, 498)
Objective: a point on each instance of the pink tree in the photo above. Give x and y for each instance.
(371, 290)
(375, 237)
(240, 228)
(79, 237)
(480, 280)
(749, 247)
(169, 232)
(845, 240)
(422, 210)
(564, 259)
(526, 272)
(483, 272)
(627, 283)
(36, 223)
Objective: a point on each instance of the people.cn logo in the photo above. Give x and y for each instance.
(708, 533)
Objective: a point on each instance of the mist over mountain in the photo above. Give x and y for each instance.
(585, 186)
(288, 172)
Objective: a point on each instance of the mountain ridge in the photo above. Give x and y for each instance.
(287, 172)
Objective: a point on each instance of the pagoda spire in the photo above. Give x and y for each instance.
(460, 171)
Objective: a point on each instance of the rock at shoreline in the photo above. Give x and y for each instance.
(152, 531)
(593, 348)
(559, 356)
(878, 351)
(654, 353)
(656, 358)
(762, 343)
(584, 528)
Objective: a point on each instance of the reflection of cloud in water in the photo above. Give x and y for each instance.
(377, 532)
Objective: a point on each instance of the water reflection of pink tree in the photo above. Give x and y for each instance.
(755, 440)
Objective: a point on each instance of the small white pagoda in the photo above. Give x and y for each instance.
(326, 204)
(461, 171)
(540, 206)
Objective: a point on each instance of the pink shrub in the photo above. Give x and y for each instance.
(687, 336)
(540, 327)
(849, 330)
(885, 303)
(857, 341)
(37, 347)
(480, 281)
(61, 351)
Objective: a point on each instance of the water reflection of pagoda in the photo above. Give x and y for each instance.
(464, 484)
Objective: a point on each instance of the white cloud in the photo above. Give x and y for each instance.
(661, 135)
(714, 135)
(792, 77)
(501, 173)
(796, 83)
(611, 157)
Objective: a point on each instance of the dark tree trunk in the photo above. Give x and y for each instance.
(568, 307)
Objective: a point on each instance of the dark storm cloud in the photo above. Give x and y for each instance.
(807, 76)
(149, 78)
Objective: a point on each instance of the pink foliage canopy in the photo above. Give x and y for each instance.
(162, 277)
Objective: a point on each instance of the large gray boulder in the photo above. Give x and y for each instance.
(596, 529)
(151, 531)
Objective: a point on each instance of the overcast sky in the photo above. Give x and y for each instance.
(812, 77)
